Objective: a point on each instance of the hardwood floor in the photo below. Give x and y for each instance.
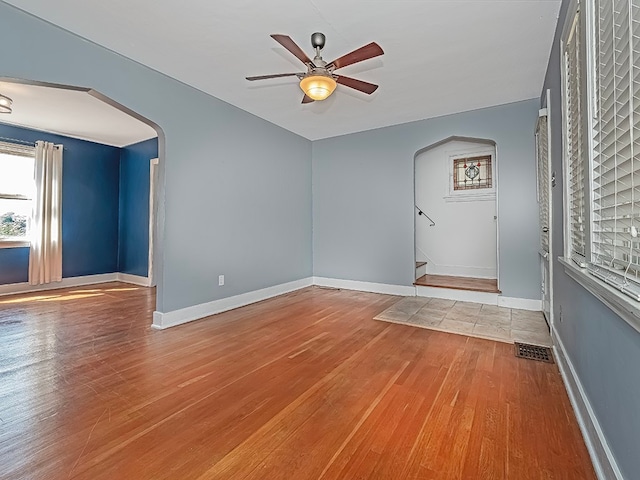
(489, 285)
(303, 386)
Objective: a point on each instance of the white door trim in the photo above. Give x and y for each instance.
(153, 177)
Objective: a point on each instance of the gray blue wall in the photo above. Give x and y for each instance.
(133, 243)
(90, 179)
(363, 202)
(235, 195)
(602, 347)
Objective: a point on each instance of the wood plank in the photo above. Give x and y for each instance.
(305, 385)
(489, 285)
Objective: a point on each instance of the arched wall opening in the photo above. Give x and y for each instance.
(455, 194)
(130, 154)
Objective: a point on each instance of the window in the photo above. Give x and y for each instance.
(16, 192)
(574, 158)
(615, 144)
(471, 173)
(602, 142)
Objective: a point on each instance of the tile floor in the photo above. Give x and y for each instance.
(473, 319)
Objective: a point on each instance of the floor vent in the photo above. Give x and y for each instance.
(534, 352)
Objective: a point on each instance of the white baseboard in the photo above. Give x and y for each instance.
(604, 462)
(188, 314)
(520, 303)
(365, 286)
(458, 295)
(479, 297)
(134, 279)
(13, 288)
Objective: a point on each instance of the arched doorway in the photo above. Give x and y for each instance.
(456, 213)
(101, 131)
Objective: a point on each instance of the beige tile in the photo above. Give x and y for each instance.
(530, 324)
(441, 304)
(467, 306)
(528, 314)
(430, 314)
(492, 331)
(455, 326)
(524, 336)
(421, 301)
(394, 315)
(408, 305)
(461, 316)
(425, 321)
(428, 309)
(494, 309)
(496, 320)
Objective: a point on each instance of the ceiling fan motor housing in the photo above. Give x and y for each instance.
(317, 40)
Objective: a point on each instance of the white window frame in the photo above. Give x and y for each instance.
(605, 289)
(573, 15)
(471, 195)
(21, 151)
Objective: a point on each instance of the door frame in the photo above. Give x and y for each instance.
(546, 258)
(153, 180)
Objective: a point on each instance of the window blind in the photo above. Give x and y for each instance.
(542, 153)
(574, 154)
(615, 255)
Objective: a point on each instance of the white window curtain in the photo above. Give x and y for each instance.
(45, 257)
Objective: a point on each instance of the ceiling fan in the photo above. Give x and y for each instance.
(319, 81)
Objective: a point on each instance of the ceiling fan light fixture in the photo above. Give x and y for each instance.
(318, 87)
(5, 104)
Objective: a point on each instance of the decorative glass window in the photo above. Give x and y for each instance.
(472, 173)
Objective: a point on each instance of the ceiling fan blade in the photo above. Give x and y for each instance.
(290, 45)
(356, 84)
(277, 75)
(307, 99)
(362, 53)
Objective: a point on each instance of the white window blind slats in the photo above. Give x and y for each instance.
(576, 197)
(615, 242)
(609, 165)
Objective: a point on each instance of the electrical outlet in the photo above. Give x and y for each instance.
(220, 280)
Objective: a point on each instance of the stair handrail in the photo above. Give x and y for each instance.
(420, 212)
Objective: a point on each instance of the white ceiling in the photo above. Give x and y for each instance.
(72, 113)
(440, 57)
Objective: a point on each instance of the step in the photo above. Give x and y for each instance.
(488, 285)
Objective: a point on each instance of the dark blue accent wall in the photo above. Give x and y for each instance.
(14, 265)
(133, 252)
(90, 188)
(90, 203)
